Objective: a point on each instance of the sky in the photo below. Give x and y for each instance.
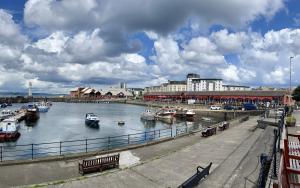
(62, 44)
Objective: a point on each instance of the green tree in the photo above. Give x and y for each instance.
(296, 94)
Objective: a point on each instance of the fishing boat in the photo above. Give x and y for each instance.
(190, 115)
(32, 113)
(148, 115)
(92, 120)
(43, 107)
(9, 130)
(6, 114)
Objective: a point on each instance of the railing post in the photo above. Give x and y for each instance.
(1, 153)
(86, 145)
(145, 136)
(128, 139)
(60, 148)
(31, 151)
(159, 133)
(154, 134)
(171, 132)
(186, 128)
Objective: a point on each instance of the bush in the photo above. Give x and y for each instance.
(291, 121)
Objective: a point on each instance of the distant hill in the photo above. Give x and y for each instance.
(14, 94)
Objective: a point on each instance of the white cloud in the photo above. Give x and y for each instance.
(54, 43)
(201, 50)
(229, 42)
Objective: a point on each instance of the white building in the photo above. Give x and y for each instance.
(235, 88)
(189, 81)
(195, 83)
(207, 84)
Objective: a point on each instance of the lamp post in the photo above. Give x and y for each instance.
(291, 74)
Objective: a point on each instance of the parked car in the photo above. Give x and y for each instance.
(213, 107)
(249, 106)
(228, 107)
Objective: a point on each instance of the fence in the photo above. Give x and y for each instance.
(272, 158)
(33, 151)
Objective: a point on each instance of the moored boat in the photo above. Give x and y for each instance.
(121, 123)
(190, 115)
(92, 120)
(164, 114)
(9, 130)
(181, 113)
(32, 113)
(148, 115)
(6, 114)
(43, 107)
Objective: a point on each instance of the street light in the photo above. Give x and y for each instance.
(291, 74)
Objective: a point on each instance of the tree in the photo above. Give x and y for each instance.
(296, 94)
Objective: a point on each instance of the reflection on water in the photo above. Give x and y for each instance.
(66, 121)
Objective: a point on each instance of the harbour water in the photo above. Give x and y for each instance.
(66, 122)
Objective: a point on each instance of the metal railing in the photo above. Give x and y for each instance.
(271, 159)
(40, 150)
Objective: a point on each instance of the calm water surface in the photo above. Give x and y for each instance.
(66, 121)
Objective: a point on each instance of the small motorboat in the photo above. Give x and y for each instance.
(9, 130)
(121, 123)
(164, 114)
(32, 113)
(190, 115)
(148, 115)
(92, 120)
(43, 107)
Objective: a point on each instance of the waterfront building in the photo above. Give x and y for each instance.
(207, 84)
(123, 85)
(235, 88)
(90, 93)
(189, 81)
(136, 91)
(207, 97)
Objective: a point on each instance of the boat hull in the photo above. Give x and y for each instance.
(92, 123)
(32, 116)
(43, 110)
(9, 137)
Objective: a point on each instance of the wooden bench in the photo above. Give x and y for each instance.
(196, 178)
(99, 164)
(209, 131)
(223, 126)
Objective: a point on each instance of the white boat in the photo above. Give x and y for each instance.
(148, 115)
(92, 120)
(190, 114)
(43, 107)
(165, 114)
(9, 129)
(6, 114)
